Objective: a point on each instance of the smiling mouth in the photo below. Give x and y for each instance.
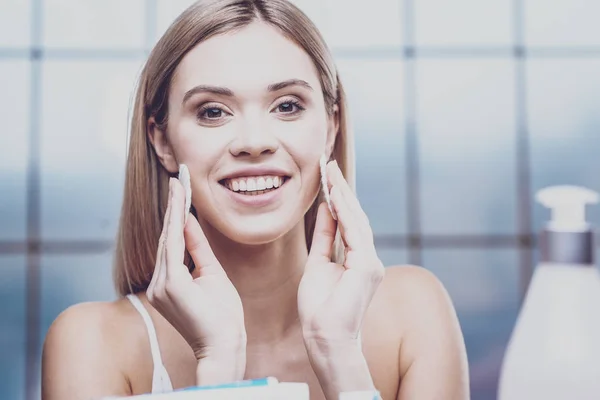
(254, 185)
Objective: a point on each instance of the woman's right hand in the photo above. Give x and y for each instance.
(205, 308)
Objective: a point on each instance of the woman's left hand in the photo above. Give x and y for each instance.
(333, 298)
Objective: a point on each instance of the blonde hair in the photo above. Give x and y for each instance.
(146, 180)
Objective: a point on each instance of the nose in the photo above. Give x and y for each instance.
(254, 139)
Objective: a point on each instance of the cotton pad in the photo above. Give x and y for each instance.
(323, 163)
(184, 178)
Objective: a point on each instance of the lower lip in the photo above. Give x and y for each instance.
(256, 200)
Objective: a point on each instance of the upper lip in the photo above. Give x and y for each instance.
(255, 171)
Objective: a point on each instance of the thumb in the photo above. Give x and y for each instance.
(197, 245)
(323, 236)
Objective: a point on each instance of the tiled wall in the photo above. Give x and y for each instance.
(462, 110)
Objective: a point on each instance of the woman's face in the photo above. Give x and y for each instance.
(247, 116)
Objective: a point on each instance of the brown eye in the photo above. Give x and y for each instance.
(213, 113)
(289, 107)
(286, 107)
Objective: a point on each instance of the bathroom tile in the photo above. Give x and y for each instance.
(376, 103)
(107, 24)
(562, 23)
(15, 23)
(14, 140)
(84, 139)
(467, 146)
(484, 287)
(564, 124)
(354, 24)
(392, 257)
(463, 23)
(13, 334)
(167, 11)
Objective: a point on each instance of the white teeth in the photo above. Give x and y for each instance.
(253, 184)
(261, 184)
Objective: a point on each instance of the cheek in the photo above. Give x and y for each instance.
(305, 143)
(304, 140)
(199, 148)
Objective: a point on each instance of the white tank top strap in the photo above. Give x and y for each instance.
(161, 383)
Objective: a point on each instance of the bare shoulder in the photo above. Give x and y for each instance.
(87, 323)
(409, 298)
(84, 325)
(84, 354)
(430, 339)
(409, 275)
(412, 285)
(420, 303)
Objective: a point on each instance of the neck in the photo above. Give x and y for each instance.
(267, 278)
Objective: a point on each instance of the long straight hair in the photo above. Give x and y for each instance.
(146, 180)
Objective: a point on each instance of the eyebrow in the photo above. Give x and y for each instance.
(206, 89)
(290, 82)
(223, 91)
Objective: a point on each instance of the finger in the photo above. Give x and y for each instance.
(174, 246)
(323, 236)
(199, 248)
(349, 227)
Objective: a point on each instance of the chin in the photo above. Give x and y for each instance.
(258, 229)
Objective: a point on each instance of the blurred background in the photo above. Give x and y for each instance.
(462, 110)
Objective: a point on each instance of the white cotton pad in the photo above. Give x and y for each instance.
(184, 178)
(323, 163)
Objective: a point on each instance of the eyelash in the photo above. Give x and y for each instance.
(207, 107)
(202, 111)
(293, 102)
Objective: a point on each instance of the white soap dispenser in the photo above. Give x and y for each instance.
(554, 350)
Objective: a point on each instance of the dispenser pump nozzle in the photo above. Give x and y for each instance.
(568, 206)
(567, 238)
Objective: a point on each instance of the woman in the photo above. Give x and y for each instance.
(255, 282)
